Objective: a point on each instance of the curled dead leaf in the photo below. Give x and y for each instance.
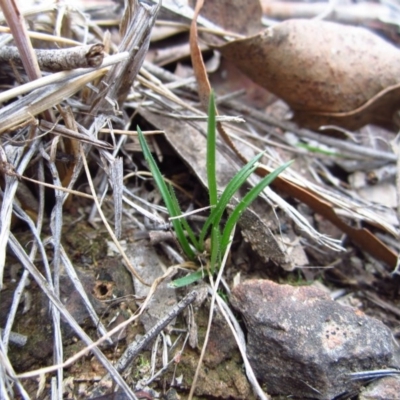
(240, 16)
(325, 71)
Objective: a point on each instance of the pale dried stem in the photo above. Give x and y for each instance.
(11, 183)
(94, 345)
(241, 343)
(45, 37)
(24, 110)
(17, 25)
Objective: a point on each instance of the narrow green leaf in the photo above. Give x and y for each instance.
(234, 184)
(246, 201)
(211, 152)
(162, 187)
(215, 249)
(188, 279)
(183, 220)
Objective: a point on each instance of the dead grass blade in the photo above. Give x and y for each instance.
(22, 111)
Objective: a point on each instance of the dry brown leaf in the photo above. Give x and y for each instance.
(239, 16)
(229, 79)
(326, 72)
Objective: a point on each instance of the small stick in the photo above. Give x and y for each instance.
(55, 60)
(135, 348)
(63, 131)
(16, 338)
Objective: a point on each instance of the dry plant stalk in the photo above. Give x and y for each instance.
(17, 26)
(114, 89)
(56, 60)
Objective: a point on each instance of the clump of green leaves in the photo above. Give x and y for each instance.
(213, 228)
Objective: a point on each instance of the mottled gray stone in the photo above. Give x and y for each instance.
(302, 343)
(150, 267)
(387, 388)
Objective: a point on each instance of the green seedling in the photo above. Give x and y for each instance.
(213, 228)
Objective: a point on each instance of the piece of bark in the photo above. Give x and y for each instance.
(55, 60)
(276, 247)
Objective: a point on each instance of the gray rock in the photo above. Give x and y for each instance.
(302, 343)
(387, 388)
(150, 267)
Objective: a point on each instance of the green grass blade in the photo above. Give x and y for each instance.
(188, 279)
(246, 201)
(166, 195)
(215, 249)
(234, 184)
(211, 152)
(319, 150)
(183, 220)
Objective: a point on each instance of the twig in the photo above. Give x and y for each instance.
(134, 349)
(55, 60)
(62, 130)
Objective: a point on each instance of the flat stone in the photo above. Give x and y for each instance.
(302, 343)
(387, 388)
(150, 267)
